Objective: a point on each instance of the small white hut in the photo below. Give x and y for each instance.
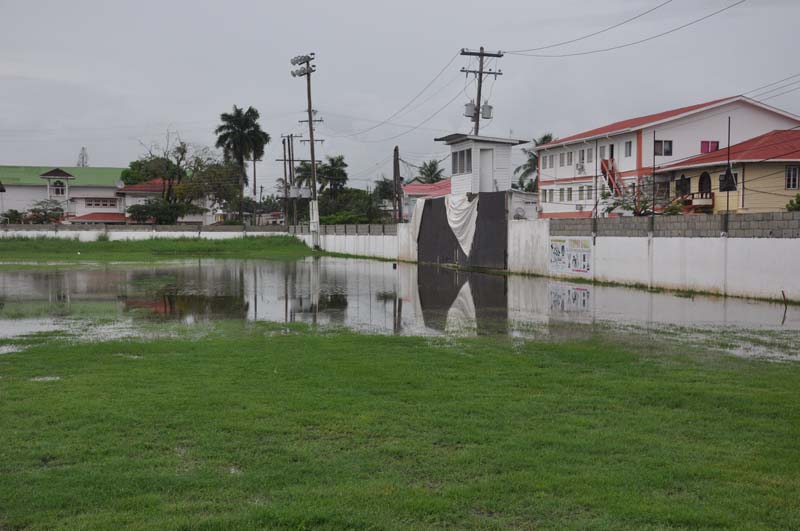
(480, 163)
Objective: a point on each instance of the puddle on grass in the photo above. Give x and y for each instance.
(10, 349)
(123, 300)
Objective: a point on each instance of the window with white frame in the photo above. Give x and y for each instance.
(569, 194)
(543, 162)
(602, 152)
(561, 159)
(552, 195)
(462, 161)
(792, 177)
(628, 148)
(589, 191)
(663, 148)
(58, 188)
(582, 156)
(101, 202)
(590, 155)
(550, 162)
(561, 195)
(569, 158)
(580, 193)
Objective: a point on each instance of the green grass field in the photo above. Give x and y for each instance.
(65, 250)
(256, 427)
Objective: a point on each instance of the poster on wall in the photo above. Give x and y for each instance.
(571, 256)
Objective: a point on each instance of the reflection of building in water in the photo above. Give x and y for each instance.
(362, 294)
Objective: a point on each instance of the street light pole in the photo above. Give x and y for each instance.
(306, 70)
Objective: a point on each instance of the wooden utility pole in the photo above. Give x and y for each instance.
(397, 196)
(285, 187)
(480, 73)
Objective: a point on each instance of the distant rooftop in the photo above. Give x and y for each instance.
(782, 145)
(32, 175)
(418, 189)
(461, 137)
(153, 185)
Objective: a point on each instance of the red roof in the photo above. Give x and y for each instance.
(439, 189)
(153, 185)
(634, 123)
(775, 145)
(100, 217)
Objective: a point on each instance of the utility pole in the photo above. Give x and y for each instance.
(654, 174)
(398, 187)
(285, 187)
(480, 73)
(305, 71)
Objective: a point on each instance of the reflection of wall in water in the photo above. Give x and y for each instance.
(439, 289)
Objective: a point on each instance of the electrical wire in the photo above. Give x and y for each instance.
(426, 120)
(583, 37)
(412, 100)
(634, 43)
(773, 83)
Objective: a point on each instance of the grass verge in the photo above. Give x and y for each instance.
(64, 250)
(256, 426)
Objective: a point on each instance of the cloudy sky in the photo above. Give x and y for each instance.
(112, 76)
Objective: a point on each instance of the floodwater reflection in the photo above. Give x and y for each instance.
(358, 294)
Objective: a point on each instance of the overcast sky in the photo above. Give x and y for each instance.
(109, 75)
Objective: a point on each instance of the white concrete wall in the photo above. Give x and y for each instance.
(529, 246)
(372, 246)
(742, 267)
(406, 244)
(92, 234)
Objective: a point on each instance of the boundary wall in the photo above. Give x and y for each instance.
(744, 255)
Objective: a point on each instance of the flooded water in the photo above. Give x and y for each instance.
(359, 294)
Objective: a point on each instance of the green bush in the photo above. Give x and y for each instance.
(794, 204)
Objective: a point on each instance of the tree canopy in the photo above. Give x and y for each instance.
(529, 170)
(430, 172)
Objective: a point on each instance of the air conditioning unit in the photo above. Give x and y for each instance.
(580, 168)
(579, 208)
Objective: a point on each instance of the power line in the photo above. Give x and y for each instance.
(773, 83)
(634, 43)
(426, 120)
(583, 37)
(412, 100)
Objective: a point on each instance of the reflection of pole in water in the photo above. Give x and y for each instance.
(285, 292)
(315, 287)
(255, 292)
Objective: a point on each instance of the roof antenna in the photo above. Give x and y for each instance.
(83, 158)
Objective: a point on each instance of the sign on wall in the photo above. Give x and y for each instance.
(570, 256)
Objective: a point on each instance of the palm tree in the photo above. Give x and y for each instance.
(302, 174)
(333, 174)
(530, 168)
(241, 138)
(430, 172)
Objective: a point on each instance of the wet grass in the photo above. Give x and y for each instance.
(64, 250)
(260, 426)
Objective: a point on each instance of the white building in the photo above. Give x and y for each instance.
(480, 163)
(81, 191)
(86, 195)
(575, 171)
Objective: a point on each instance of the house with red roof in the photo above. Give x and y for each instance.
(416, 189)
(766, 171)
(576, 171)
(139, 193)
